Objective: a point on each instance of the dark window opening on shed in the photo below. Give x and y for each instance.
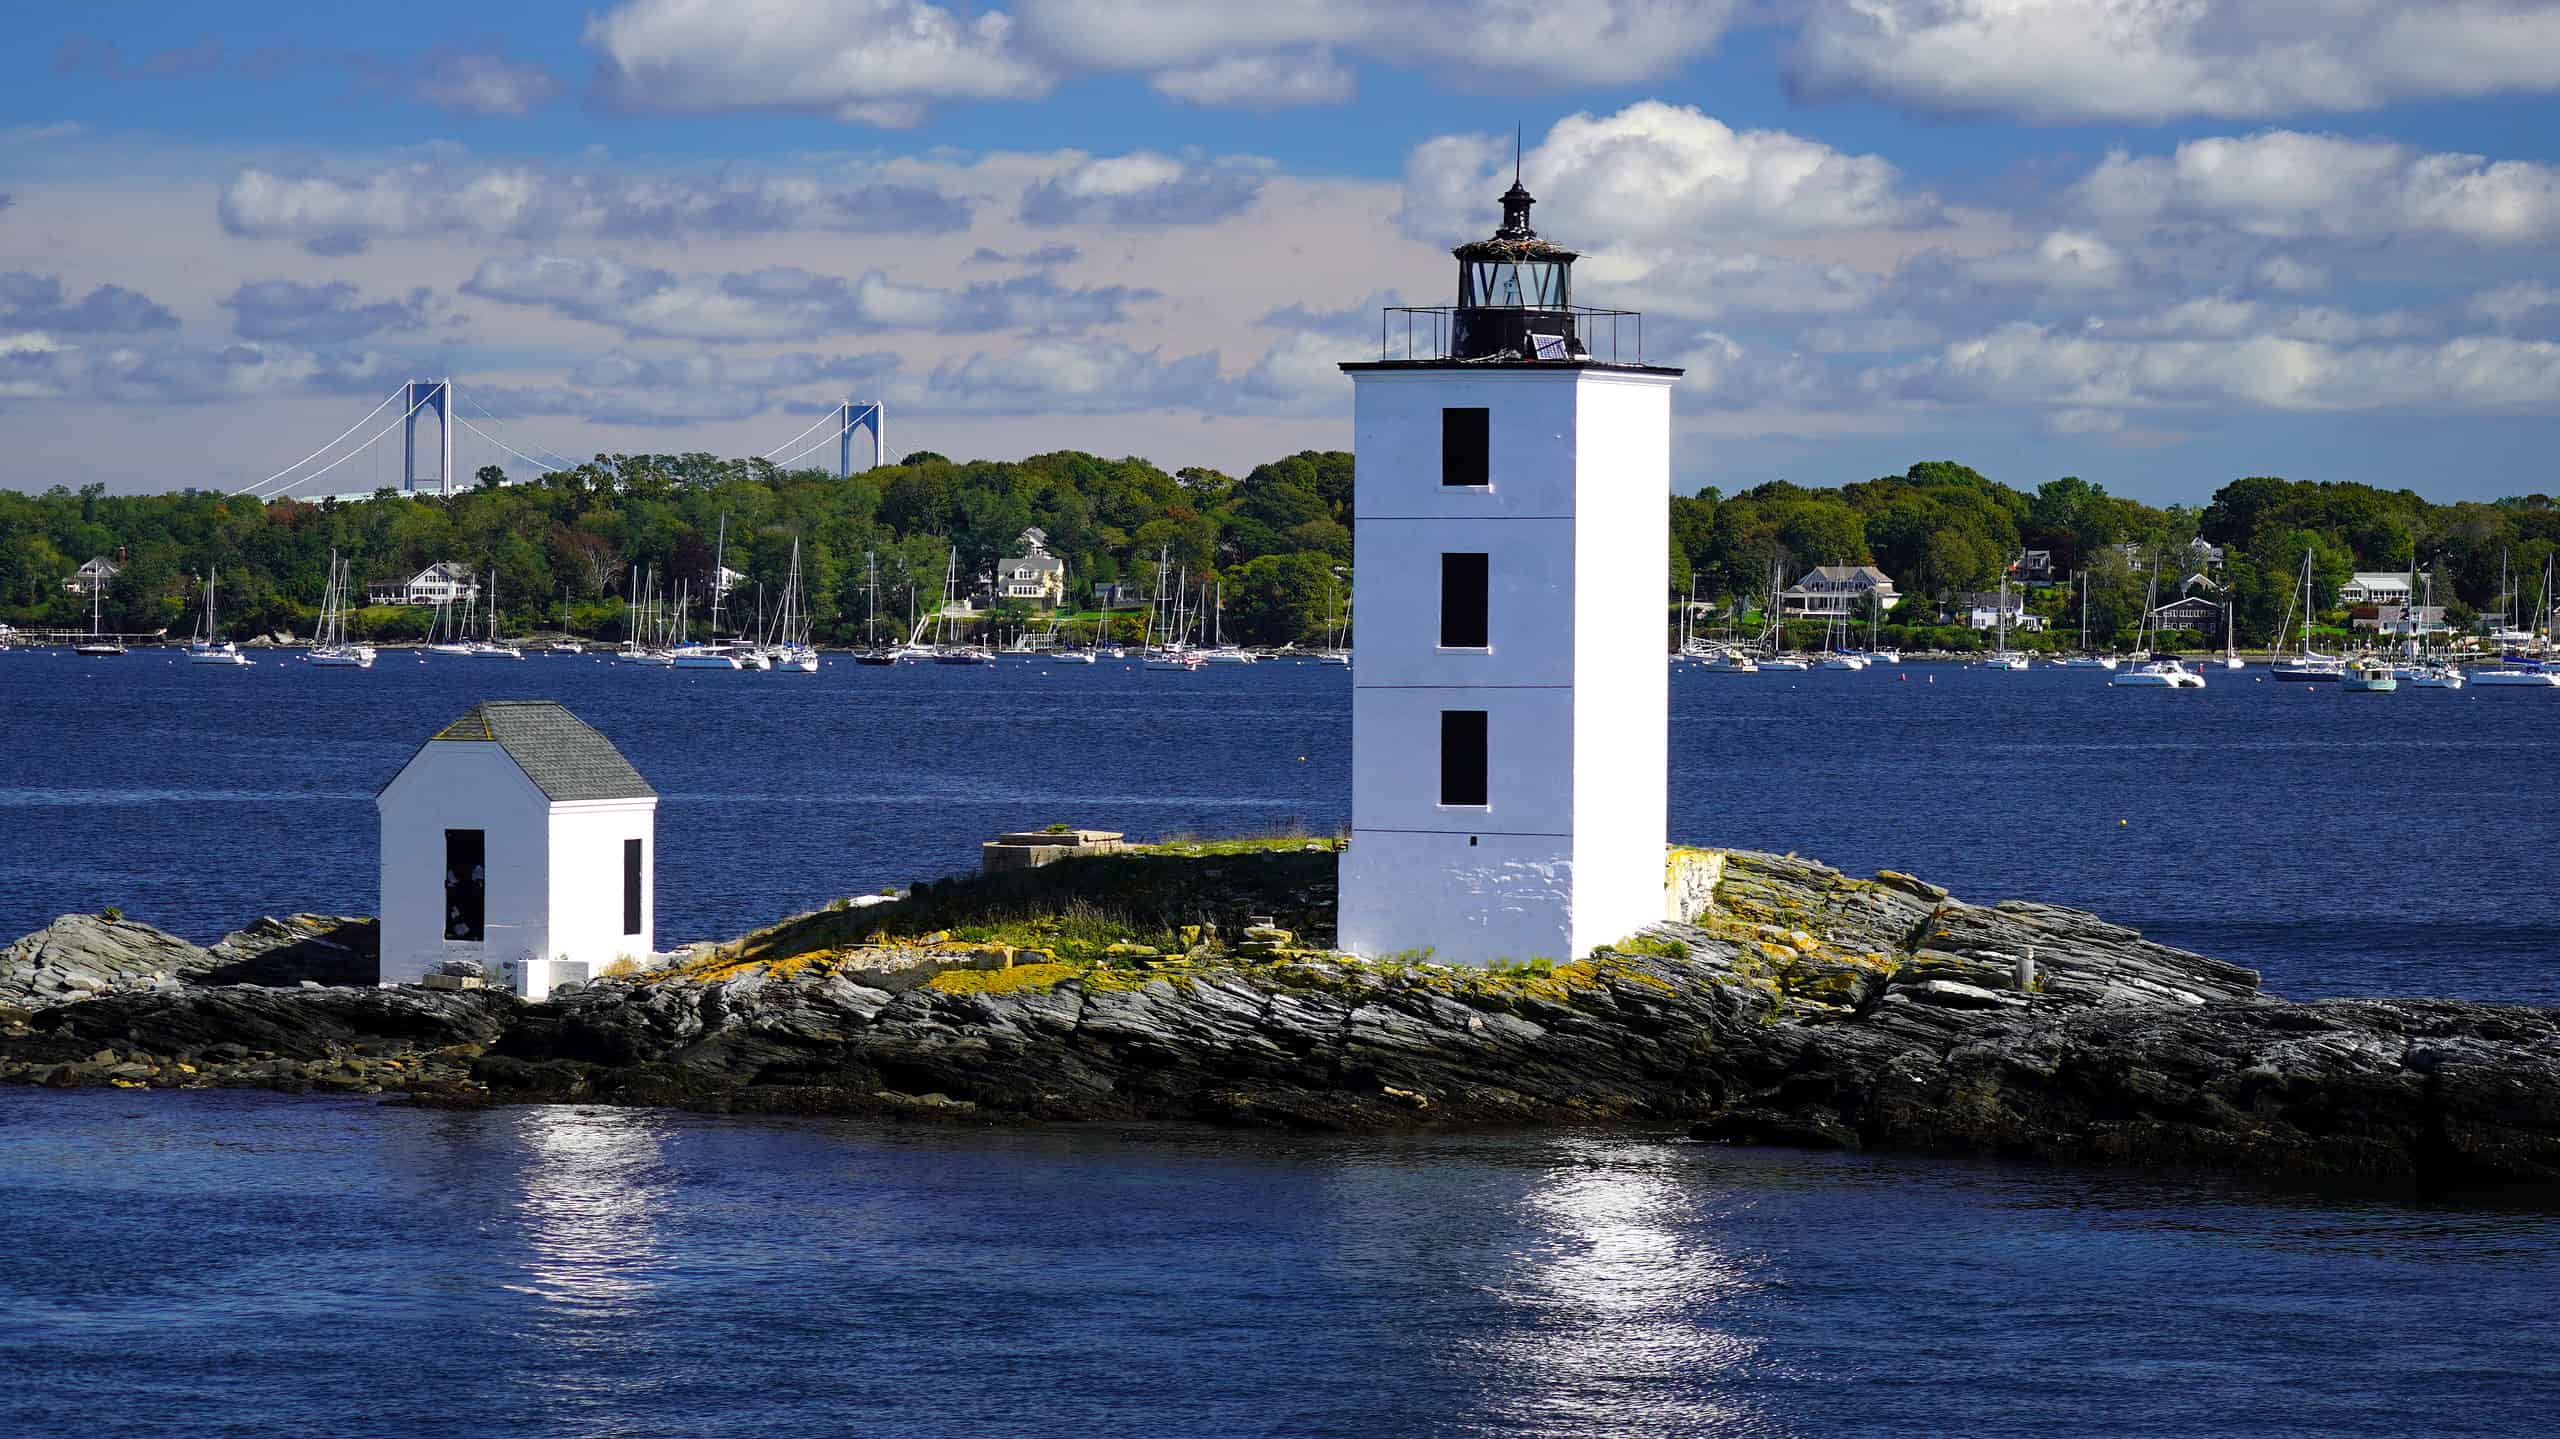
(631, 886)
(466, 883)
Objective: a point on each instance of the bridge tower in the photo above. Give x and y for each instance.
(860, 417)
(417, 396)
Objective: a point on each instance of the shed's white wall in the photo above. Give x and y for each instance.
(586, 881)
(1569, 852)
(459, 784)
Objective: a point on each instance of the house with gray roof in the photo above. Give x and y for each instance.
(517, 840)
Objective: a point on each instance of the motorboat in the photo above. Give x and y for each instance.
(2431, 677)
(565, 647)
(2158, 674)
(1729, 662)
(2366, 675)
(2086, 662)
(2505, 678)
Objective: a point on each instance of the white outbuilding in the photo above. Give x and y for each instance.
(519, 837)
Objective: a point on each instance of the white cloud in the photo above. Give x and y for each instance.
(1656, 173)
(33, 368)
(884, 62)
(39, 302)
(2284, 184)
(477, 82)
(445, 193)
(783, 302)
(2022, 364)
(1483, 42)
(2062, 61)
(874, 61)
(1260, 82)
(1045, 377)
(319, 314)
(1143, 188)
(2287, 275)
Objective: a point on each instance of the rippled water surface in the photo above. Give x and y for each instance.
(2341, 843)
(235, 1264)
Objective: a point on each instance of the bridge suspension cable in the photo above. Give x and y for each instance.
(557, 460)
(324, 449)
(843, 412)
(349, 455)
(836, 414)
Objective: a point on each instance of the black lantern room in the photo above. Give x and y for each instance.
(1515, 292)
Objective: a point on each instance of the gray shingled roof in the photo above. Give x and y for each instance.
(562, 754)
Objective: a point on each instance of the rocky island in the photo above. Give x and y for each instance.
(1790, 1004)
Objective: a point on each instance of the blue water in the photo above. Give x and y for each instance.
(238, 1264)
(2343, 844)
(228, 1264)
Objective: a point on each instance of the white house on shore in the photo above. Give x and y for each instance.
(1826, 591)
(2366, 587)
(519, 837)
(443, 583)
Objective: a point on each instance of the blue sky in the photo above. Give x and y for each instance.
(2156, 243)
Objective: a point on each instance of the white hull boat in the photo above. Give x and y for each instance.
(2157, 675)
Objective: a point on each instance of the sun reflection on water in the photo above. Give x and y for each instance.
(593, 1183)
(1618, 1300)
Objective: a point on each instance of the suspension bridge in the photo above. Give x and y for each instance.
(446, 409)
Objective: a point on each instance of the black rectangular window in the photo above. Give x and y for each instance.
(1466, 447)
(466, 883)
(1466, 621)
(631, 886)
(1462, 757)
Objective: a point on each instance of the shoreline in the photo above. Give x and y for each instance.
(1793, 1005)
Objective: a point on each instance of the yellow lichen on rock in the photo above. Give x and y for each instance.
(1001, 981)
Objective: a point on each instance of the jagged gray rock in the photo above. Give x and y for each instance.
(1797, 1005)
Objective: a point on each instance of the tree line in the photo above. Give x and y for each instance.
(1276, 541)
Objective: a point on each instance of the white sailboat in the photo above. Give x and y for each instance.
(1219, 651)
(2157, 672)
(2086, 659)
(329, 648)
(209, 647)
(792, 629)
(99, 644)
(2002, 657)
(949, 648)
(2307, 665)
(487, 647)
(448, 633)
(1170, 654)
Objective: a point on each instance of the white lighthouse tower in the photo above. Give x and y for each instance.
(1510, 703)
